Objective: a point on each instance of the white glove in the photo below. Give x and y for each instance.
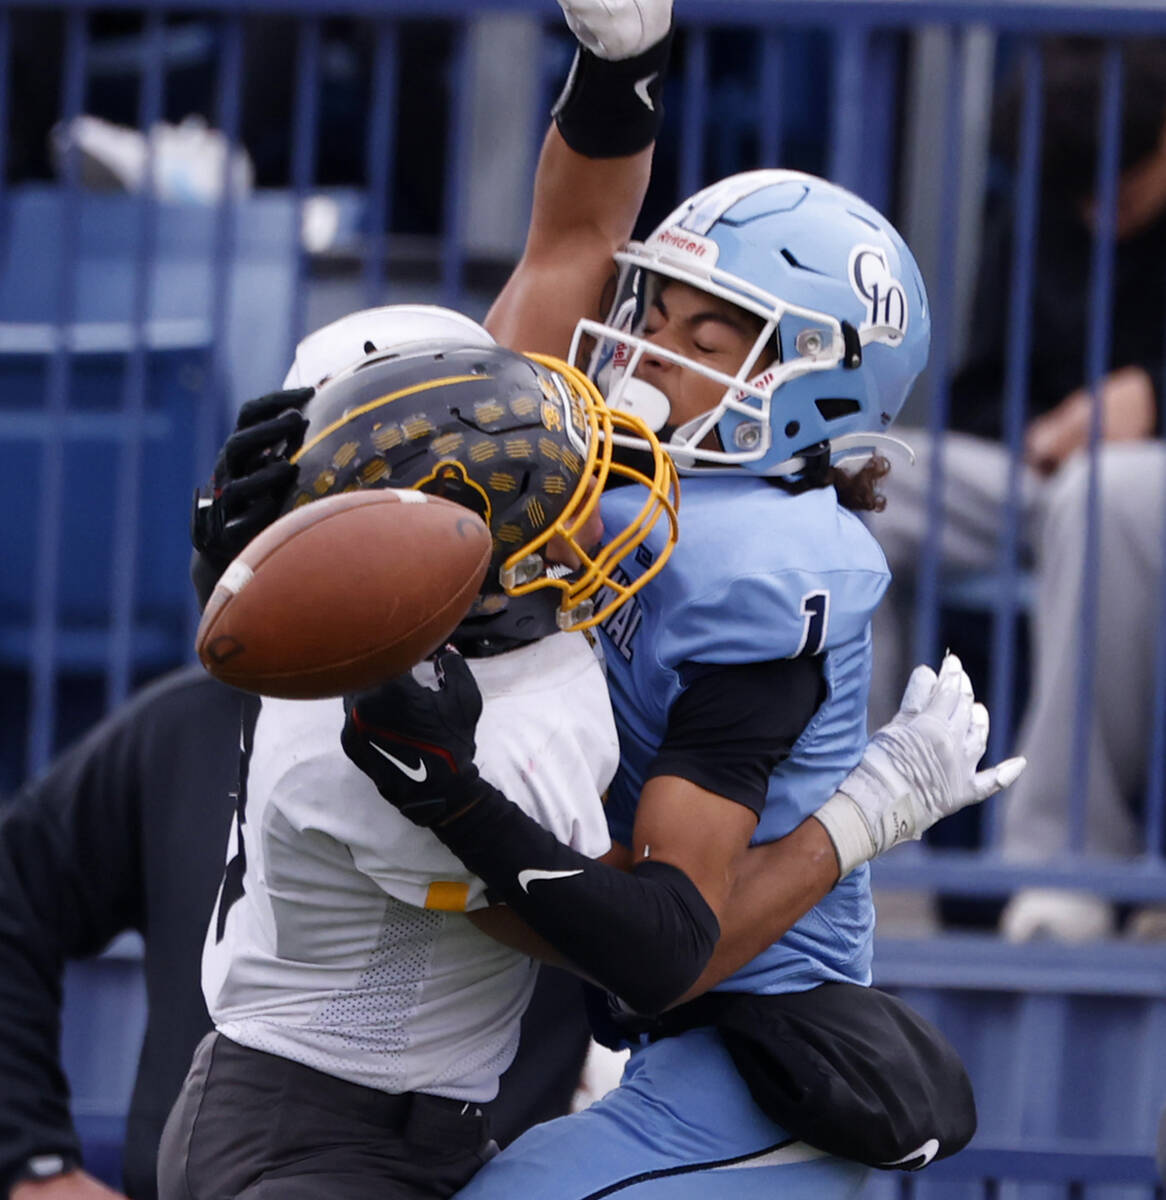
(917, 769)
(617, 29)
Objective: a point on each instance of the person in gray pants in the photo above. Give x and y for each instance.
(1055, 478)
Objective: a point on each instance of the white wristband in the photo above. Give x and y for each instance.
(843, 820)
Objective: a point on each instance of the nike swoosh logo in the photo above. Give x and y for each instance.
(641, 89)
(418, 774)
(924, 1154)
(525, 878)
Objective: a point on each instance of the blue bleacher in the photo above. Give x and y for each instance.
(95, 438)
(101, 259)
(129, 333)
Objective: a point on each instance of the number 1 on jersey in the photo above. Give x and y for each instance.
(816, 611)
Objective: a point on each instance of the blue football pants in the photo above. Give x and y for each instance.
(681, 1125)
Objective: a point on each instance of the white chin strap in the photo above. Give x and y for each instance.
(851, 446)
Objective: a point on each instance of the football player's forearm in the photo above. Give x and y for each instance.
(584, 210)
(504, 925)
(581, 201)
(644, 935)
(591, 179)
(775, 886)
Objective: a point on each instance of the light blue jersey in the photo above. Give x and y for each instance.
(758, 574)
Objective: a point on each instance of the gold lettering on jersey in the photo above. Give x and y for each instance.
(447, 895)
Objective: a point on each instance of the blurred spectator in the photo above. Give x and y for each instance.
(128, 830)
(267, 80)
(1055, 477)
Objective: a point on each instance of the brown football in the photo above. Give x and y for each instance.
(342, 593)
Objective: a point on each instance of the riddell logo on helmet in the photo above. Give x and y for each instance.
(692, 245)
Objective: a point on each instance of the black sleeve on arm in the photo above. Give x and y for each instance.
(644, 935)
(731, 725)
(69, 882)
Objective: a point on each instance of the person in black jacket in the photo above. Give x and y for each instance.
(1055, 475)
(128, 831)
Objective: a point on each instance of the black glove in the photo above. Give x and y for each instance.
(252, 475)
(416, 743)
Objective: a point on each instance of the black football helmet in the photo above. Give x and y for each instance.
(519, 439)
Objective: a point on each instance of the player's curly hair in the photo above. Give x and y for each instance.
(857, 490)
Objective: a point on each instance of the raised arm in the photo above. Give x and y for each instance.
(592, 173)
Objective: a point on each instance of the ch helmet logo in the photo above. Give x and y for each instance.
(884, 296)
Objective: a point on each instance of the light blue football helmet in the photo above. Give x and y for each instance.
(837, 290)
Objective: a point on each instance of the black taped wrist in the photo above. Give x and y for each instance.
(644, 935)
(613, 109)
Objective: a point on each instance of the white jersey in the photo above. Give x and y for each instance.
(348, 949)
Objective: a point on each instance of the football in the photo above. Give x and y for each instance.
(343, 593)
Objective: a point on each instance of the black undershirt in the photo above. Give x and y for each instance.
(732, 724)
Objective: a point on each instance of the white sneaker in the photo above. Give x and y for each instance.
(1056, 914)
(188, 159)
